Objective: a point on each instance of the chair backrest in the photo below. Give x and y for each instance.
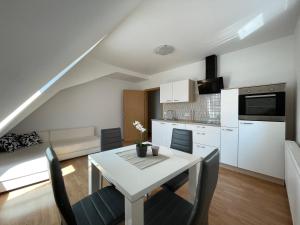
(111, 138)
(207, 182)
(59, 190)
(182, 140)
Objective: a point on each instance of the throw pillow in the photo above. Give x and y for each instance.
(30, 139)
(9, 143)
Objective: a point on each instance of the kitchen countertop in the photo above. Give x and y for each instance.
(190, 122)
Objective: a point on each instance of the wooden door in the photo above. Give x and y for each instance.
(135, 104)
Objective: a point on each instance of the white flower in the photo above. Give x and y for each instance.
(139, 126)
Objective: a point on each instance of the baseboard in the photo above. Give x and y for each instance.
(253, 174)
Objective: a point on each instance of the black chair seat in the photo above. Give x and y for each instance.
(167, 208)
(176, 182)
(100, 208)
(104, 207)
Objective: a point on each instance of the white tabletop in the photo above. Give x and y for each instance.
(134, 183)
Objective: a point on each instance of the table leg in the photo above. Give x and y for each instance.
(193, 181)
(95, 178)
(134, 212)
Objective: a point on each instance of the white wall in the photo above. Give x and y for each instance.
(96, 103)
(270, 62)
(297, 65)
(40, 38)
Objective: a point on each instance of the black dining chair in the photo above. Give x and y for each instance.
(182, 140)
(166, 207)
(111, 138)
(104, 207)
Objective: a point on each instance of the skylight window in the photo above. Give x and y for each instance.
(251, 26)
(31, 99)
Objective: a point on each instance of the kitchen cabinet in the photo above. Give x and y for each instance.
(166, 93)
(202, 134)
(229, 146)
(261, 147)
(181, 91)
(230, 108)
(229, 126)
(292, 178)
(178, 91)
(162, 132)
(157, 130)
(169, 130)
(199, 149)
(207, 135)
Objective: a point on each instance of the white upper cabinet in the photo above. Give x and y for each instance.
(230, 108)
(166, 93)
(179, 91)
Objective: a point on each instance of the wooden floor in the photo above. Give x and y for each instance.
(238, 200)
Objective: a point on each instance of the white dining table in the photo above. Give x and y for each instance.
(135, 183)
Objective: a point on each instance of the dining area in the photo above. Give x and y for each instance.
(141, 190)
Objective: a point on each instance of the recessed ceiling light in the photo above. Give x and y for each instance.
(164, 50)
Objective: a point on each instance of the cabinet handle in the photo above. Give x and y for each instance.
(228, 129)
(175, 100)
(174, 124)
(200, 146)
(162, 123)
(247, 123)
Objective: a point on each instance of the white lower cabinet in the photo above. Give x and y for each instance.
(202, 150)
(169, 130)
(162, 132)
(261, 147)
(229, 145)
(157, 131)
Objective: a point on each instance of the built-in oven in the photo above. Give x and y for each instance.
(262, 103)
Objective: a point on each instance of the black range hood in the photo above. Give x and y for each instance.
(212, 83)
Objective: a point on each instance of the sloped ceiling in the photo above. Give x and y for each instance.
(39, 38)
(196, 28)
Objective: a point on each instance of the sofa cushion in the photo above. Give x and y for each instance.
(44, 135)
(23, 163)
(30, 139)
(9, 143)
(71, 133)
(73, 145)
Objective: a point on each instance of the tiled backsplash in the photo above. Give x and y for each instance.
(205, 108)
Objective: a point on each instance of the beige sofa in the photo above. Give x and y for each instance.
(29, 165)
(74, 142)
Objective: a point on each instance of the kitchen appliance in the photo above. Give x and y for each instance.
(262, 103)
(212, 83)
(210, 86)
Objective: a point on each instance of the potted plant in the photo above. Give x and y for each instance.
(141, 148)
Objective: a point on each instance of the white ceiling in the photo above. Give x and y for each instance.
(196, 28)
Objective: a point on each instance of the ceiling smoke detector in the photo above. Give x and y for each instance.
(164, 50)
